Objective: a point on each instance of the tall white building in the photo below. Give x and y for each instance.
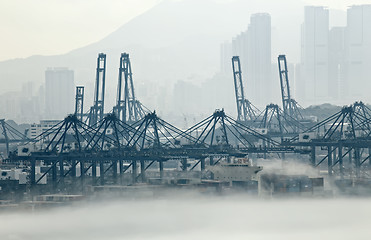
(226, 57)
(358, 51)
(38, 128)
(59, 93)
(254, 48)
(338, 87)
(314, 55)
(259, 56)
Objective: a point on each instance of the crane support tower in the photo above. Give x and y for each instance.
(97, 110)
(245, 110)
(127, 108)
(10, 135)
(79, 102)
(2, 123)
(289, 105)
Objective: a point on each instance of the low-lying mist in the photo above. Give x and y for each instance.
(288, 167)
(195, 217)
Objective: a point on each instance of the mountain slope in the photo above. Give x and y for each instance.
(175, 40)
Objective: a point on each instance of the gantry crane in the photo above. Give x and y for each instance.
(245, 110)
(289, 105)
(79, 103)
(9, 135)
(127, 108)
(97, 110)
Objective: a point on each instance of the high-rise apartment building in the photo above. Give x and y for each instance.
(254, 49)
(225, 57)
(358, 51)
(59, 93)
(259, 58)
(239, 48)
(338, 88)
(314, 55)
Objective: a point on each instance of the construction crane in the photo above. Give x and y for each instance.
(97, 110)
(289, 106)
(127, 108)
(245, 110)
(2, 122)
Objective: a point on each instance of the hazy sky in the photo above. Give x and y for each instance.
(58, 26)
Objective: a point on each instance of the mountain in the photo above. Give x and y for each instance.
(175, 40)
(322, 111)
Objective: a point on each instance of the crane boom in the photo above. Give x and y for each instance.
(289, 105)
(97, 110)
(245, 110)
(79, 102)
(127, 108)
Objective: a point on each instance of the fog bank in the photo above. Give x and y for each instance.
(205, 218)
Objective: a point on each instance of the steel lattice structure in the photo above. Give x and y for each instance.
(79, 102)
(279, 124)
(218, 130)
(131, 135)
(345, 133)
(127, 108)
(97, 110)
(246, 111)
(10, 135)
(289, 106)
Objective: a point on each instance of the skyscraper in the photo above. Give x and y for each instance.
(254, 48)
(358, 51)
(259, 58)
(59, 93)
(337, 64)
(225, 57)
(314, 54)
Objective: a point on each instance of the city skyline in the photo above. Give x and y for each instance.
(176, 119)
(254, 48)
(21, 20)
(333, 58)
(258, 58)
(314, 54)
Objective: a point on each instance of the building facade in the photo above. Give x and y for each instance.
(226, 58)
(59, 93)
(254, 49)
(38, 128)
(259, 58)
(314, 55)
(358, 51)
(338, 87)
